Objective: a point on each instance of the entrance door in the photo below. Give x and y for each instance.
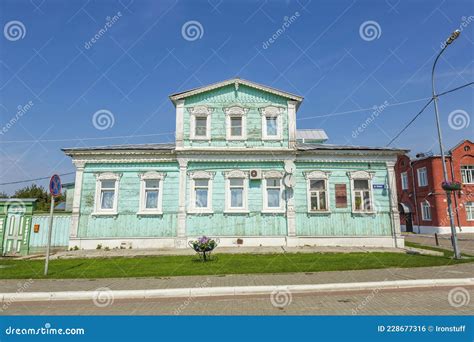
(409, 223)
(13, 234)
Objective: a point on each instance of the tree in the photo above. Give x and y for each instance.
(43, 197)
(3, 195)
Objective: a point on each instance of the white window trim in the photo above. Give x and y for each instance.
(272, 111)
(193, 175)
(151, 175)
(362, 175)
(236, 174)
(233, 112)
(404, 180)
(317, 175)
(273, 174)
(469, 205)
(423, 218)
(470, 170)
(99, 177)
(418, 171)
(200, 111)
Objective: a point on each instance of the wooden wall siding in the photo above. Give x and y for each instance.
(60, 236)
(224, 97)
(128, 223)
(341, 221)
(221, 224)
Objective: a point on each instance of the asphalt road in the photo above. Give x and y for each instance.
(426, 301)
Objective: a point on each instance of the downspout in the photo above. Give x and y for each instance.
(415, 197)
(455, 199)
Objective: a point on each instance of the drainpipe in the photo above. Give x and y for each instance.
(415, 197)
(455, 198)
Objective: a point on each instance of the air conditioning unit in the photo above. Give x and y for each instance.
(255, 174)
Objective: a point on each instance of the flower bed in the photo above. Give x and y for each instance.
(451, 186)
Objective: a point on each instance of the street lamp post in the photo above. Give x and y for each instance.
(457, 252)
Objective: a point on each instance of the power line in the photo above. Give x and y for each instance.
(423, 109)
(36, 179)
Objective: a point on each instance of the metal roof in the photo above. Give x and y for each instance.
(311, 134)
(315, 147)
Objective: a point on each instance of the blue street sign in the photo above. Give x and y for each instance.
(378, 186)
(55, 186)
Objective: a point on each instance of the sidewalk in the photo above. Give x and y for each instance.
(57, 285)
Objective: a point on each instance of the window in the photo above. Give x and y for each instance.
(200, 128)
(425, 211)
(422, 176)
(404, 178)
(361, 188)
(467, 174)
(341, 196)
(273, 192)
(236, 123)
(236, 191)
(271, 122)
(106, 193)
(201, 192)
(151, 192)
(318, 197)
(470, 211)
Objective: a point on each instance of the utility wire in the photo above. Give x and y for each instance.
(423, 109)
(36, 179)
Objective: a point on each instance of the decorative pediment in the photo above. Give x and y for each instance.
(200, 110)
(201, 174)
(235, 110)
(273, 174)
(152, 175)
(271, 111)
(361, 174)
(317, 174)
(236, 174)
(108, 176)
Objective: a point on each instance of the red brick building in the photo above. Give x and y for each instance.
(422, 200)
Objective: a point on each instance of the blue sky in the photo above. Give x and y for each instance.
(324, 54)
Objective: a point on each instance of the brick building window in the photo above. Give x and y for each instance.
(422, 176)
(470, 211)
(404, 178)
(425, 211)
(467, 174)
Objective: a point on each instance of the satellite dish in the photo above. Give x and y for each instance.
(290, 167)
(289, 181)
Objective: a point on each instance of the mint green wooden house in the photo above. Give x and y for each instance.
(239, 171)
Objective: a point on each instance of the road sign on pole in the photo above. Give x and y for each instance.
(55, 188)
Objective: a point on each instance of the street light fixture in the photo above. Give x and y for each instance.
(454, 239)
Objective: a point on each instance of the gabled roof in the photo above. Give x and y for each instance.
(459, 144)
(236, 82)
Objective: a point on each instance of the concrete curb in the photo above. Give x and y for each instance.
(8, 298)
